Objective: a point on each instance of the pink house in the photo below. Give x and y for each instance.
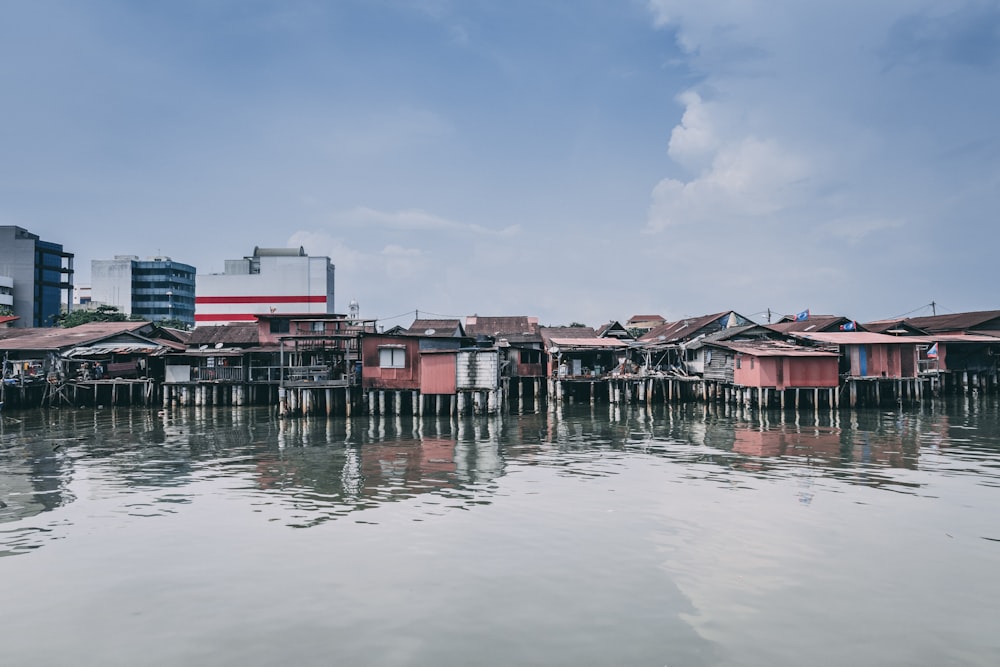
(776, 365)
(871, 355)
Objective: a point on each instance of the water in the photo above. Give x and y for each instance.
(680, 536)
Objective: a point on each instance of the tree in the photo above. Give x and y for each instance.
(174, 323)
(75, 318)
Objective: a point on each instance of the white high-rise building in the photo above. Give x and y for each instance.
(272, 280)
(154, 289)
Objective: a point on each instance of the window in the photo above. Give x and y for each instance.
(279, 326)
(531, 357)
(392, 357)
(319, 327)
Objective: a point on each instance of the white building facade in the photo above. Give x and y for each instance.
(6, 294)
(154, 289)
(272, 280)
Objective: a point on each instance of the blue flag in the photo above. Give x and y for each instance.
(932, 352)
(803, 316)
(850, 326)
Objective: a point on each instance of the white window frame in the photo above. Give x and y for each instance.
(392, 357)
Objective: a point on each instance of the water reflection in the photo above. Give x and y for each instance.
(305, 472)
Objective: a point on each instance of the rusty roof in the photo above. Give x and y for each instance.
(14, 332)
(635, 319)
(437, 328)
(505, 326)
(978, 337)
(58, 338)
(814, 323)
(590, 343)
(749, 331)
(227, 334)
(774, 348)
(548, 333)
(981, 319)
(894, 326)
(853, 337)
(686, 329)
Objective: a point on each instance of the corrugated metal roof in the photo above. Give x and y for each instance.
(891, 326)
(436, 328)
(815, 323)
(520, 325)
(868, 338)
(852, 337)
(227, 334)
(983, 319)
(59, 338)
(955, 338)
(645, 319)
(775, 349)
(588, 343)
(101, 349)
(567, 332)
(673, 332)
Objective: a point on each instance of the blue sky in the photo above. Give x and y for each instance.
(575, 160)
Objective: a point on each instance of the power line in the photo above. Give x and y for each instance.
(450, 317)
(933, 305)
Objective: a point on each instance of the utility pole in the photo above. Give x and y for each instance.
(933, 308)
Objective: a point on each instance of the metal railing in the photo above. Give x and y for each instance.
(217, 374)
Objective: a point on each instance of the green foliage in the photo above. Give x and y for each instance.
(174, 323)
(75, 318)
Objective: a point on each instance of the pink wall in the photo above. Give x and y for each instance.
(375, 377)
(883, 360)
(786, 372)
(438, 373)
(304, 328)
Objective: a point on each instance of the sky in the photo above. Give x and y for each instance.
(573, 160)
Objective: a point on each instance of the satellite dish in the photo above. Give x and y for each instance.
(661, 337)
(430, 332)
(554, 350)
(203, 347)
(218, 345)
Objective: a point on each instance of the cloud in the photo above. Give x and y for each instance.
(748, 178)
(693, 142)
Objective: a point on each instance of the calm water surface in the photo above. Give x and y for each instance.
(677, 536)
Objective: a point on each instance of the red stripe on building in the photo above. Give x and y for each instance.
(260, 299)
(226, 317)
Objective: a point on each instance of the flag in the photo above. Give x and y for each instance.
(932, 352)
(803, 316)
(850, 326)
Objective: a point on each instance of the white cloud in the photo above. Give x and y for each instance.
(693, 142)
(748, 178)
